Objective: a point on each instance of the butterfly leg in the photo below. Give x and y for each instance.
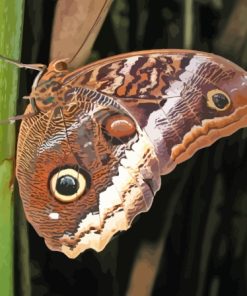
(28, 115)
(38, 67)
(32, 103)
(13, 119)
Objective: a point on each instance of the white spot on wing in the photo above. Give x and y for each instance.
(54, 216)
(87, 144)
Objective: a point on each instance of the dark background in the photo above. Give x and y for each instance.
(193, 240)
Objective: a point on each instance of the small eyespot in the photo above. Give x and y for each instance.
(61, 66)
(218, 100)
(68, 184)
(120, 126)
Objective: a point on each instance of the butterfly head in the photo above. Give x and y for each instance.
(49, 91)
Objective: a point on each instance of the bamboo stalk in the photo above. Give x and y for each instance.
(11, 19)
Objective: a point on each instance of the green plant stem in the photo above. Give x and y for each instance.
(11, 19)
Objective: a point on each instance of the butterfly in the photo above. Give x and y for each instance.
(94, 142)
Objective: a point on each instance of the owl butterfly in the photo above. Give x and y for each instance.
(89, 159)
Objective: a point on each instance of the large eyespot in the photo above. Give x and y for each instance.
(119, 126)
(218, 100)
(68, 184)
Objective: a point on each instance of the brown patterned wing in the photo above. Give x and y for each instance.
(184, 100)
(91, 159)
(81, 177)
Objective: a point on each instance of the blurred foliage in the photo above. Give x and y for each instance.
(193, 240)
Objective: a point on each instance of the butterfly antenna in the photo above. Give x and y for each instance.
(90, 31)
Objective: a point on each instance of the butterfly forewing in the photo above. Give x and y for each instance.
(167, 92)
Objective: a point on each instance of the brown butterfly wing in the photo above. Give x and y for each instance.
(117, 173)
(108, 130)
(169, 93)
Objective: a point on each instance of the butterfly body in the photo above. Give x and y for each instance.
(90, 160)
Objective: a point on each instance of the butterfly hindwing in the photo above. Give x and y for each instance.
(88, 178)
